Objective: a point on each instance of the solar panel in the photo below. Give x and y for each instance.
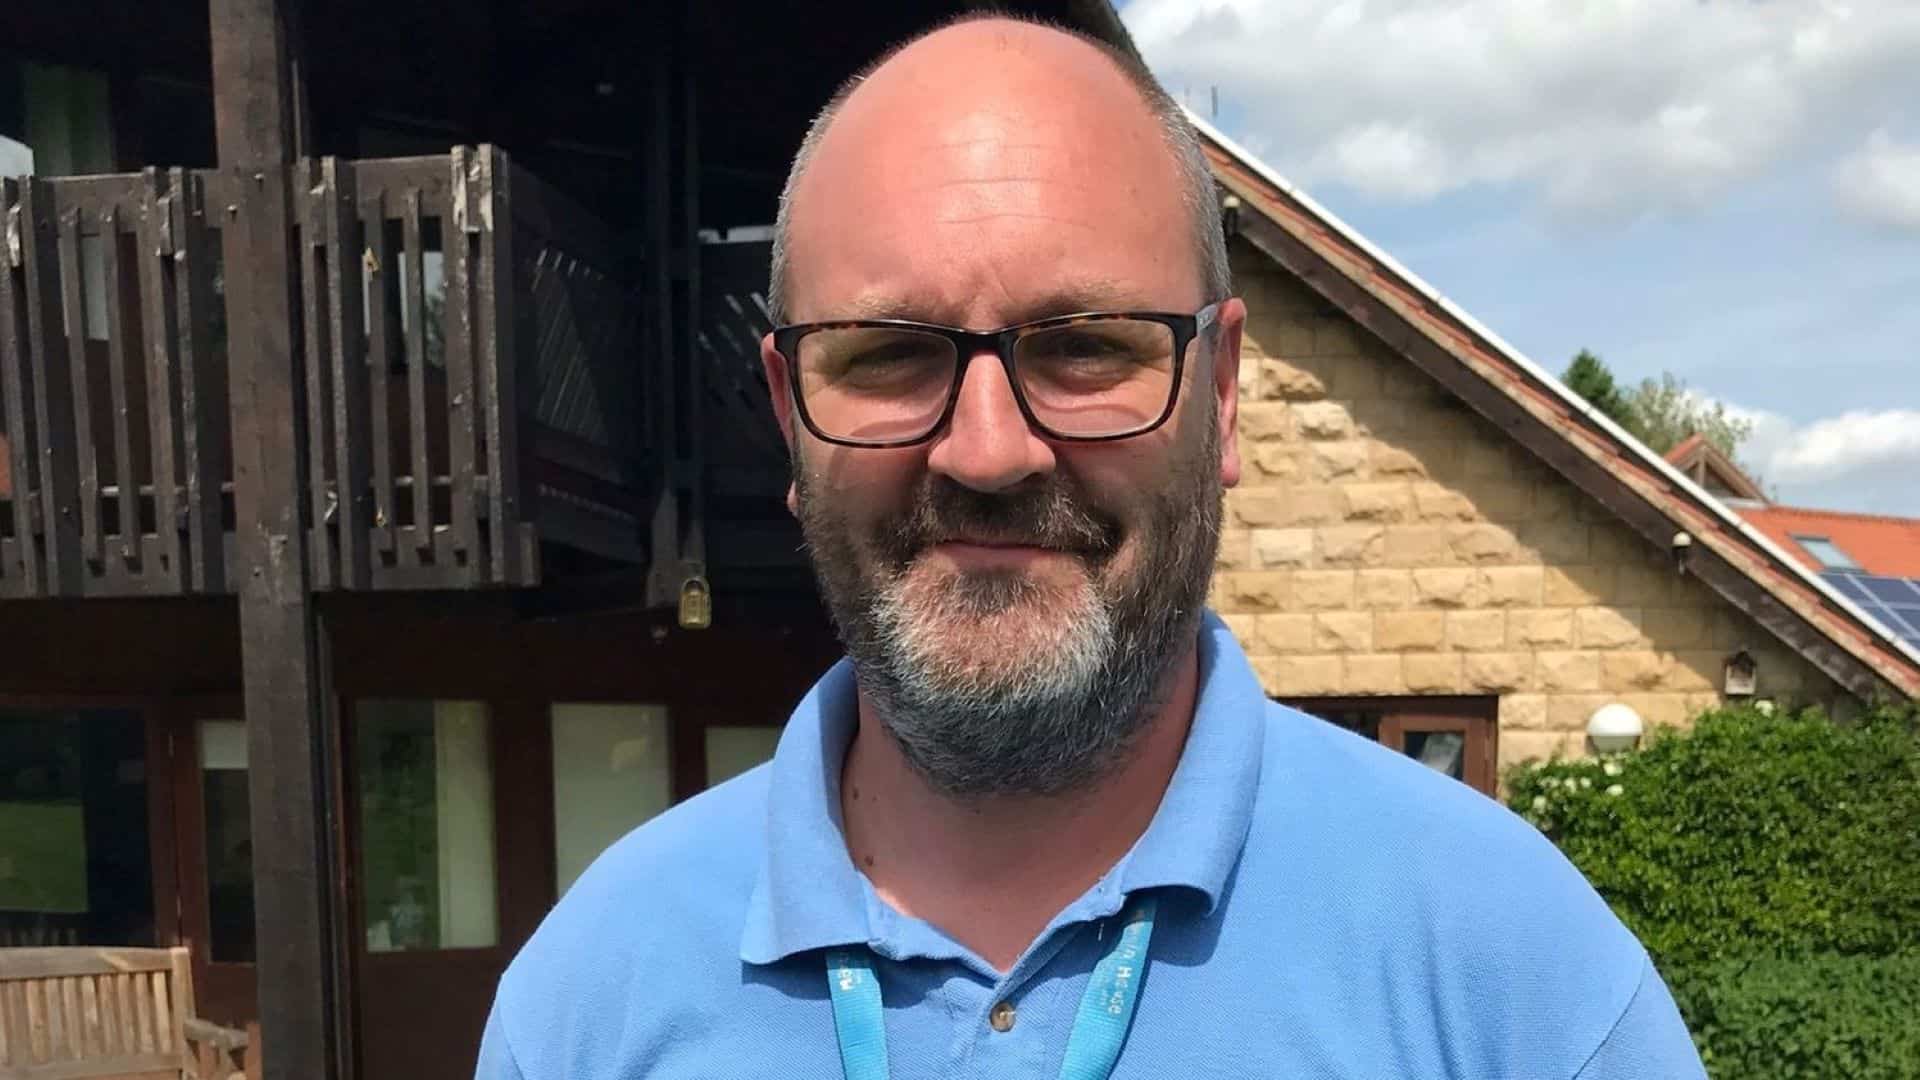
(1892, 602)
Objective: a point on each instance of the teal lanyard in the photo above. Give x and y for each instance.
(1093, 1047)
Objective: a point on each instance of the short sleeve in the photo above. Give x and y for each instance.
(1648, 1042)
(496, 1057)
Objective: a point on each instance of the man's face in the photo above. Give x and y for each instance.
(1010, 601)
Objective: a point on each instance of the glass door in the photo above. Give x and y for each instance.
(213, 868)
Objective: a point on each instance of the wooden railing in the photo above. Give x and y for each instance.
(443, 303)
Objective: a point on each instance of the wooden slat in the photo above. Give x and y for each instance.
(73, 300)
(347, 360)
(92, 1042)
(161, 333)
(16, 397)
(52, 382)
(123, 355)
(76, 1017)
(380, 313)
(416, 306)
(118, 1067)
(182, 1002)
(34, 1004)
(458, 239)
(312, 255)
(57, 1024)
(499, 356)
(201, 379)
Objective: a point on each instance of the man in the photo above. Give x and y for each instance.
(1043, 822)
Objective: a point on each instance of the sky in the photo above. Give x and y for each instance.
(1728, 190)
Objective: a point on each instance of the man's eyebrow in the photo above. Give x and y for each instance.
(1097, 294)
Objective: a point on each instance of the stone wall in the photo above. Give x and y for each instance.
(1386, 540)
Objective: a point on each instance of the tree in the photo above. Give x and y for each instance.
(1659, 412)
(1666, 413)
(1589, 377)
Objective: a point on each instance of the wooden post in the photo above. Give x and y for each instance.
(299, 950)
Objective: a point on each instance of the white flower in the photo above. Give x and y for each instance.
(1616, 789)
(1586, 781)
(1539, 802)
(1611, 768)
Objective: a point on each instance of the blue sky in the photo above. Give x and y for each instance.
(1729, 191)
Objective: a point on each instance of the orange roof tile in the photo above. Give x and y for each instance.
(1888, 546)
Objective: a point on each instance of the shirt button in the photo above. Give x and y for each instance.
(1002, 1016)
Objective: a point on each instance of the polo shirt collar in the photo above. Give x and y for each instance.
(809, 895)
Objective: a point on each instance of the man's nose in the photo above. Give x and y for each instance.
(988, 445)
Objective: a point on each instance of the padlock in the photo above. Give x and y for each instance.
(696, 601)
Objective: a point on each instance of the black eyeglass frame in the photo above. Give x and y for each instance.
(969, 343)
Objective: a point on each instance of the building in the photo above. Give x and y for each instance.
(361, 502)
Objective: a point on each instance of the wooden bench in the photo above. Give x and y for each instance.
(79, 1013)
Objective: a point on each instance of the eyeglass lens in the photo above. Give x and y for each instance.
(1092, 379)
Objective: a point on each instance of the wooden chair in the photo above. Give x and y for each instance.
(78, 1013)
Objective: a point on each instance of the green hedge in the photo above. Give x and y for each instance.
(1806, 1018)
(1751, 834)
(1771, 865)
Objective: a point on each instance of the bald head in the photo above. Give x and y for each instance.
(993, 134)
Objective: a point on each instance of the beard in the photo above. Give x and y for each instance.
(1009, 682)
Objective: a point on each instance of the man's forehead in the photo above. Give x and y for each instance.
(920, 302)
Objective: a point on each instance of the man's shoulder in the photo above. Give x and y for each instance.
(1433, 880)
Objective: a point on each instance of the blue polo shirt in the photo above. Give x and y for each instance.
(1327, 908)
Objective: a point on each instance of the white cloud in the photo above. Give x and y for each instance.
(1880, 182)
(1862, 460)
(1627, 105)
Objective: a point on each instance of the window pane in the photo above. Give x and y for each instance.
(224, 801)
(425, 791)
(1441, 751)
(1826, 552)
(75, 866)
(612, 770)
(733, 750)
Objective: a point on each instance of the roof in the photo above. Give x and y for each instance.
(1705, 464)
(1886, 546)
(1744, 566)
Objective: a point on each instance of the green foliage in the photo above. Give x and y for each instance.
(1589, 376)
(1659, 412)
(1752, 833)
(1807, 1018)
(1771, 865)
(1665, 413)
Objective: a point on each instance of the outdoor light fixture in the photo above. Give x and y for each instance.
(1682, 550)
(1613, 728)
(1743, 675)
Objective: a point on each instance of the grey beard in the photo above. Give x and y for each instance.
(1040, 725)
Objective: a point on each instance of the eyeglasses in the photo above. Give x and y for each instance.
(1093, 377)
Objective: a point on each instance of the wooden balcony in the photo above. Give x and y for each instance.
(472, 356)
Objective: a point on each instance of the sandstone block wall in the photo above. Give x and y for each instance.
(1386, 540)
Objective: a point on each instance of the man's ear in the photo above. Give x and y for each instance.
(780, 389)
(1226, 385)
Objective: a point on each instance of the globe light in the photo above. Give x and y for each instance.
(1613, 728)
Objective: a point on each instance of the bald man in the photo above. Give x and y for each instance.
(1042, 821)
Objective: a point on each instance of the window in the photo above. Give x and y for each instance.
(75, 865)
(424, 781)
(1454, 736)
(1826, 553)
(734, 750)
(612, 770)
(229, 839)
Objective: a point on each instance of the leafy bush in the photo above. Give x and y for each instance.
(1771, 865)
(1810, 1018)
(1752, 834)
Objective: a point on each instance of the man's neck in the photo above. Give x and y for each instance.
(994, 872)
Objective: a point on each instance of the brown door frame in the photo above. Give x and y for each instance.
(1475, 718)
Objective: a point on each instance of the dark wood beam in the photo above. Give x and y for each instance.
(291, 749)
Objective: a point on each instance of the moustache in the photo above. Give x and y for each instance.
(1053, 518)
